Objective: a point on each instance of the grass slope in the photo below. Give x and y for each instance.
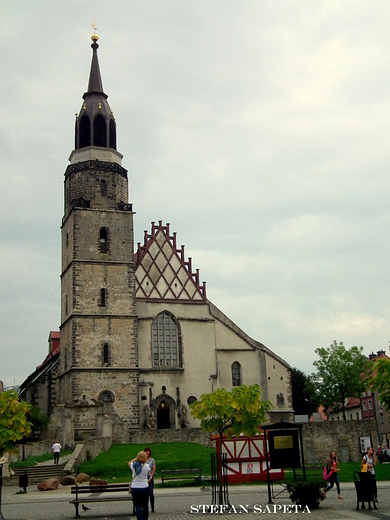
(113, 465)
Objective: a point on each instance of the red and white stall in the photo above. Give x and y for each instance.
(246, 459)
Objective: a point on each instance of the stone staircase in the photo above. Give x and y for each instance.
(40, 472)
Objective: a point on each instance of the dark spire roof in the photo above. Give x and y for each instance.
(95, 84)
(95, 123)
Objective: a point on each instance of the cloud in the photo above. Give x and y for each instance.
(259, 130)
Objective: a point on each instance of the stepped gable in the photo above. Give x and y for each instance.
(163, 273)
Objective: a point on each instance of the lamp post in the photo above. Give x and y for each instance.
(1, 485)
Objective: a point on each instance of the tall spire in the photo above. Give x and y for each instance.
(95, 123)
(95, 80)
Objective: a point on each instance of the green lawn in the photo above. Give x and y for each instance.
(346, 473)
(113, 465)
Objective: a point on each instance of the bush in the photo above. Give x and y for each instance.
(306, 493)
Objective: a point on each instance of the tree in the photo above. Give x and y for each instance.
(339, 376)
(13, 420)
(38, 420)
(379, 379)
(239, 411)
(301, 396)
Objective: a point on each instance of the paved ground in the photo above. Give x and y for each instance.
(175, 504)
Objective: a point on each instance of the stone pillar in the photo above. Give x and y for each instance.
(344, 450)
(107, 425)
(69, 431)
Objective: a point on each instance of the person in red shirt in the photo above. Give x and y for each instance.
(332, 472)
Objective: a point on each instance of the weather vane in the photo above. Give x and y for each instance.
(94, 37)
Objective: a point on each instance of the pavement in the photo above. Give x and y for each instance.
(183, 503)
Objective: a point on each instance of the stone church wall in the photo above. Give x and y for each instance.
(150, 437)
(320, 438)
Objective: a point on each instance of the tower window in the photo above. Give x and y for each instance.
(85, 132)
(67, 240)
(66, 304)
(236, 374)
(166, 341)
(103, 297)
(103, 188)
(103, 240)
(106, 353)
(99, 131)
(112, 133)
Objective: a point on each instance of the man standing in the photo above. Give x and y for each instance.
(56, 449)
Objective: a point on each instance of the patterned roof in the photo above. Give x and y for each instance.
(162, 272)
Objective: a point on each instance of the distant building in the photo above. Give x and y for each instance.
(41, 387)
(353, 411)
(367, 407)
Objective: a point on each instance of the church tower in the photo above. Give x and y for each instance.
(99, 368)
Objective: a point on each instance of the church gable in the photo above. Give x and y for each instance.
(163, 273)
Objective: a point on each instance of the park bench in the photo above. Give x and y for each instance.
(312, 469)
(99, 493)
(181, 474)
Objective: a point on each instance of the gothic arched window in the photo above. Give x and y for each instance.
(99, 131)
(103, 297)
(106, 353)
(112, 134)
(85, 132)
(103, 188)
(236, 374)
(103, 240)
(166, 341)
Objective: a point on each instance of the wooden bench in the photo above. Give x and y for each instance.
(181, 474)
(310, 469)
(99, 490)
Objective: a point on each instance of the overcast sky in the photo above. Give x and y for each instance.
(258, 129)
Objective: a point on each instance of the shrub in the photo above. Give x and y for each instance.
(306, 493)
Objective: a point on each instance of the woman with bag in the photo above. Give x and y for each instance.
(332, 472)
(139, 485)
(368, 463)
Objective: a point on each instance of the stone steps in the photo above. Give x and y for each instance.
(39, 472)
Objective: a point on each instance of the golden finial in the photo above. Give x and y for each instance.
(94, 37)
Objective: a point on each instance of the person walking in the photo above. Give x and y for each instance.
(152, 465)
(56, 450)
(139, 485)
(332, 472)
(370, 460)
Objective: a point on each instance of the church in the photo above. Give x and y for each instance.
(139, 341)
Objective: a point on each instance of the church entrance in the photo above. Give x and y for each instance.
(163, 421)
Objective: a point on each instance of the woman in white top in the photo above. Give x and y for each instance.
(370, 460)
(140, 485)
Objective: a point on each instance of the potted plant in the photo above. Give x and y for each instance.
(306, 493)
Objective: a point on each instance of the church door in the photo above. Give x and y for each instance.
(163, 421)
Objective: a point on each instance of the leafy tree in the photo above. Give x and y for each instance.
(339, 376)
(13, 420)
(38, 420)
(379, 379)
(301, 396)
(239, 411)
